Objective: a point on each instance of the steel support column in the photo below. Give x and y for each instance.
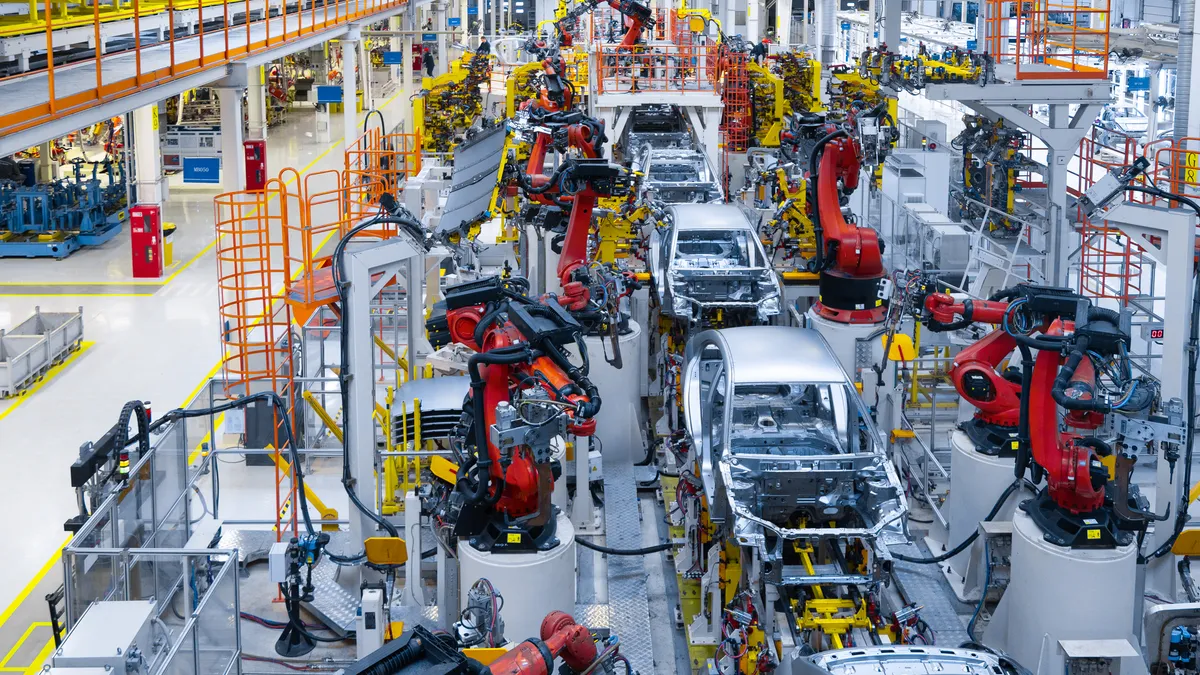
(147, 156)
(233, 169)
(350, 86)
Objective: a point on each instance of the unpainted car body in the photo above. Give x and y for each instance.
(788, 452)
(708, 257)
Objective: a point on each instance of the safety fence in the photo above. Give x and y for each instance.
(164, 42)
(1049, 39)
(132, 548)
(672, 68)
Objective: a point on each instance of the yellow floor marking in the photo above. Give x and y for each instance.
(50, 375)
(24, 636)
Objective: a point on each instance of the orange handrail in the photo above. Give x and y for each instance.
(152, 71)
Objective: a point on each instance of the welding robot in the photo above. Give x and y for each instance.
(562, 203)
(1073, 548)
(853, 285)
(637, 17)
(525, 393)
(424, 652)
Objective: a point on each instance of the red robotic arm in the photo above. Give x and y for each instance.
(637, 17)
(849, 257)
(561, 638)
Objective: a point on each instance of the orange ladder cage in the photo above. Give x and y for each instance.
(255, 322)
(1049, 39)
(736, 118)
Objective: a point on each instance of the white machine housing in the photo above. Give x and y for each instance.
(114, 635)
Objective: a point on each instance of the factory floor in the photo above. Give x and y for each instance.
(155, 342)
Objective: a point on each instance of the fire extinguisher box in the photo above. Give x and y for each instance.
(146, 237)
(256, 164)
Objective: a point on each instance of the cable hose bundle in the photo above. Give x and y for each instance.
(970, 539)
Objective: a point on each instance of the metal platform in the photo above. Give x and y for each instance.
(32, 91)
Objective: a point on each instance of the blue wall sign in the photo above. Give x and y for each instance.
(392, 59)
(972, 45)
(472, 9)
(1138, 83)
(845, 25)
(428, 37)
(454, 22)
(330, 93)
(202, 170)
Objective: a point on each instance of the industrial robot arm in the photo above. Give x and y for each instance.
(637, 17)
(524, 393)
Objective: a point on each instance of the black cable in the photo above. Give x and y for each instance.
(624, 551)
(344, 376)
(966, 542)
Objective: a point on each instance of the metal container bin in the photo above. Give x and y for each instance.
(23, 359)
(63, 331)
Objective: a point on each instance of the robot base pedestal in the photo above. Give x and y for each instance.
(843, 339)
(976, 482)
(1058, 593)
(618, 424)
(533, 584)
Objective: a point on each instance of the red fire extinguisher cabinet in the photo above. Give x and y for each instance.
(256, 164)
(146, 236)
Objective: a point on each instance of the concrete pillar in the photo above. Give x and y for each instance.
(871, 14)
(442, 66)
(730, 26)
(826, 31)
(364, 75)
(396, 44)
(803, 39)
(753, 9)
(349, 88)
(496, 17)
(783, 22)
(233, 166)
(1151, 111)
(256, 104)
(147, 156)
(891, 24)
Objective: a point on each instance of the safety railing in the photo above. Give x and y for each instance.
(164, 41)
(377, 163)
(1111, 266)
(1049, 39)
(673, 68)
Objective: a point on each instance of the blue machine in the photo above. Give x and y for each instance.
(53, 220)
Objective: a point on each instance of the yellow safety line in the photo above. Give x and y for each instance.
(36, 667)
(50, 374)
(33, 583)
(20, 641)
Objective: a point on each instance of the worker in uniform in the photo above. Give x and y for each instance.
(427, 59)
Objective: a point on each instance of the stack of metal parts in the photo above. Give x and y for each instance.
(57, 218)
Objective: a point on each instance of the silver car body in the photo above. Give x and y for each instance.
(901, 660)
(707, 257)
(781, 433)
